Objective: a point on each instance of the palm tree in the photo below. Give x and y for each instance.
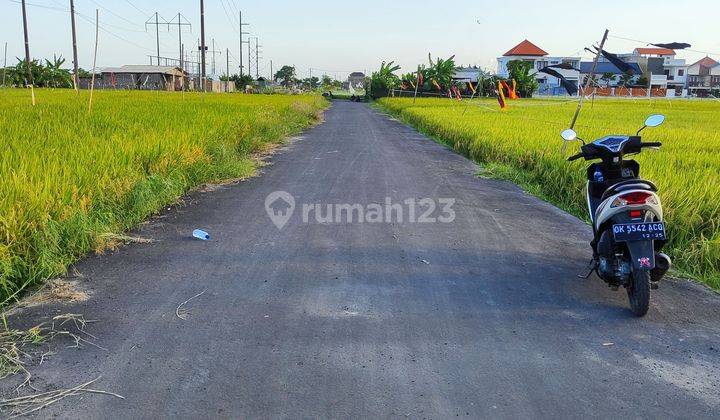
(626, 78)
(608, 77)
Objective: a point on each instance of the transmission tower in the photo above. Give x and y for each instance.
(157, 24)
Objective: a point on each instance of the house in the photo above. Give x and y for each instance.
(652, 62)
(675, 70)
(143, 77)
(356, 79)
(607, 68)
(529, 52)
(703, 77)
(654, 52)
(468, 74)
(524, 51)
(659, 67)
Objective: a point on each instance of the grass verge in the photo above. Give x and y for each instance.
(70, 180)
(522, 145)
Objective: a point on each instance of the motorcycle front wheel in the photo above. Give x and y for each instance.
(639, 292)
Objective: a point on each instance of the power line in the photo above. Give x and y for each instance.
(120, 28)
(39, 6)
(233, 6)
(113, 13)
(114, 34)
(136, 8)
(229, 16)
(88, 19)
(650, 43)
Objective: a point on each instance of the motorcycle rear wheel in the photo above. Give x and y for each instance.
(639, 292)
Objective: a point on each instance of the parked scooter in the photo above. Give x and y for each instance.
(626, 216)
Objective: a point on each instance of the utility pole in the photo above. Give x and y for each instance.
(180, 24)
(243, 42)
(257, 58)
(5, 64)
(202, 44)
(272, 75)
(27, 45)
(157, 32)
(213, 52)
(249, 66)
(588, 82)
(227, 69)
(76, 79)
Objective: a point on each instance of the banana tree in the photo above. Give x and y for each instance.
(54, 75)
(441, 71)
(51, 74)
(384, 80)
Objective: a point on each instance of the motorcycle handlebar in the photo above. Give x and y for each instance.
(651, 144)
(581, 154)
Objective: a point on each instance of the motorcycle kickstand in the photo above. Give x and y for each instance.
(592, 267)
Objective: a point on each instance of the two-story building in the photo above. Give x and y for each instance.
(607, 74)
(658, 67)
(529, 52)
(703, 77)
(356, 79)
(661, 67)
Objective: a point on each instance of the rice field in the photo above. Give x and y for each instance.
(72, 182)
(523, 144)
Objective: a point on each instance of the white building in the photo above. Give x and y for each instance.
(468, 74)
(529, 52)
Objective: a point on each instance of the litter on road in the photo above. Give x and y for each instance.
(201, 234)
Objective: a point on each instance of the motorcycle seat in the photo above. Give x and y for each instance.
(630, 184)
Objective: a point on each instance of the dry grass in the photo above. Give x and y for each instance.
(19, 348)
(56, 291)
(29, 404)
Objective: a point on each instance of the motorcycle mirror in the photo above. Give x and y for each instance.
(654, 120)
(569, 134)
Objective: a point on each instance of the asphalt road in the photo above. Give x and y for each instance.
(480, 317)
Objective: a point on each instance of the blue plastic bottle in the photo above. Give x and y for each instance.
(201, 234)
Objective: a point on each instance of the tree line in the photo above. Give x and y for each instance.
(438, 74)
(45, 73)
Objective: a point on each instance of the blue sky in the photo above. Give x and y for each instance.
(337, 37)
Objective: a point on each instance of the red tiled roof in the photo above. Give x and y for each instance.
(655, 51)
(707, 62)
(525, 48)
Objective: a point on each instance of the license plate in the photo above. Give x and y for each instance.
(628, 232)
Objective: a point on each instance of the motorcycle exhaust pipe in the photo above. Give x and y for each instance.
(662, 265)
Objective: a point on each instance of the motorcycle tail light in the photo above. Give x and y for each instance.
(637, 197)
(635, 213)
